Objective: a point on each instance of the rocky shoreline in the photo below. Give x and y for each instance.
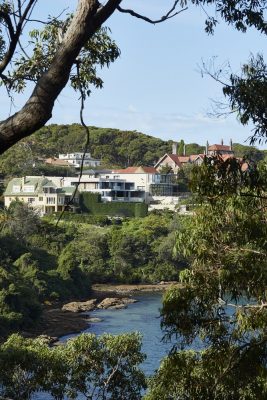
(131, 289)
(70, 318)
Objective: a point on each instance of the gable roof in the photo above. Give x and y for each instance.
(36, 182)
(194, 157)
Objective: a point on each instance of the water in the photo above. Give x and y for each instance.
(142, 317)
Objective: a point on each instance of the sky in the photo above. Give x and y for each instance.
(156, 87)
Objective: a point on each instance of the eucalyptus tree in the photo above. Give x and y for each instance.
(66, 45)
(217, 317)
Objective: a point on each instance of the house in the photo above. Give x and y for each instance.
(176, 162)
(131, 184)
(75, 159)
(219, 149)
(46, 195)
(169, 160)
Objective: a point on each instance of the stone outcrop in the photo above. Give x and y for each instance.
(116, 302)
(80, 306)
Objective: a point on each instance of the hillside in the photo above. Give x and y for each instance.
(116, 148)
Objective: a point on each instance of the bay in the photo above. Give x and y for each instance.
(143, 317)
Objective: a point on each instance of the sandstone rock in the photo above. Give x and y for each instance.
(80, 306)
(48, 339)
(94, 319)
(116, 302)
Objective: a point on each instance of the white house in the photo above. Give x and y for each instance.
(75, 159)
(132, 184)
(46, 195)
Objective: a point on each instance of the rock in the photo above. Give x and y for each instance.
(48, 339)
(80, 306)
(116, 302)
(94, 319)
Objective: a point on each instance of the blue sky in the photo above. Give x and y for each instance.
(156, 87)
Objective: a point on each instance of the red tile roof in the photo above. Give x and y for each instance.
(193, 157)
(175, 158)
(150, 170)
(184, 159)
(219, 147)
(137, 170)
(57, 161)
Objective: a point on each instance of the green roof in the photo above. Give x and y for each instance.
(38, 184)
(66, 189)
(49, 184)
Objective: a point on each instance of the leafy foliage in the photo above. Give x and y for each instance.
(220, 310)
(113, 146)
(97, 368)
(101, 50)
(247, 95)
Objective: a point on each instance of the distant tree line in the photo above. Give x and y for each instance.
(115, 148)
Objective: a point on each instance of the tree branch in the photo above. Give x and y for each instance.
(14, 35)
(38, 109)
(170, 14)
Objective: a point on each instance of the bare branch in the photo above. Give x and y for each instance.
(170, 14)
(6, 17)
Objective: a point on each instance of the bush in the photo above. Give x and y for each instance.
(91, 203)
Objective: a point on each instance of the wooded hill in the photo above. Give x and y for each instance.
(116, 148)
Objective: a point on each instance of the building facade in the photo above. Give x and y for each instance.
(75, 159)
(45, 195)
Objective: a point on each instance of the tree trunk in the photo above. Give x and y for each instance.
(88, 17)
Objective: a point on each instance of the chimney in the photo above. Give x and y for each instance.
(184, 152)
(207, 148)
(174, 147)
(222, 142)
(231, 145)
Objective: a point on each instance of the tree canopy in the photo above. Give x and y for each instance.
(219, 312)
(53, 54)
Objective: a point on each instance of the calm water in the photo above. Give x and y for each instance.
(142, 317)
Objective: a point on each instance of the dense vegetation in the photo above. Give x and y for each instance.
(41, 263)
(220, 310)
(101, 368)
(114, 147)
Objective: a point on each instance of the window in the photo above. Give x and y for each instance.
(50, 200)
(41, 198)
(16, 188)
(61, 200)
(31, 200)
(28, 189)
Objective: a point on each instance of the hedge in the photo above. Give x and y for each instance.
(91, 203)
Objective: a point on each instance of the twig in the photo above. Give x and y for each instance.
(87, 131)
(170, 14)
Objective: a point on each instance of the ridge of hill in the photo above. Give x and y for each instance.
(116, 148)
